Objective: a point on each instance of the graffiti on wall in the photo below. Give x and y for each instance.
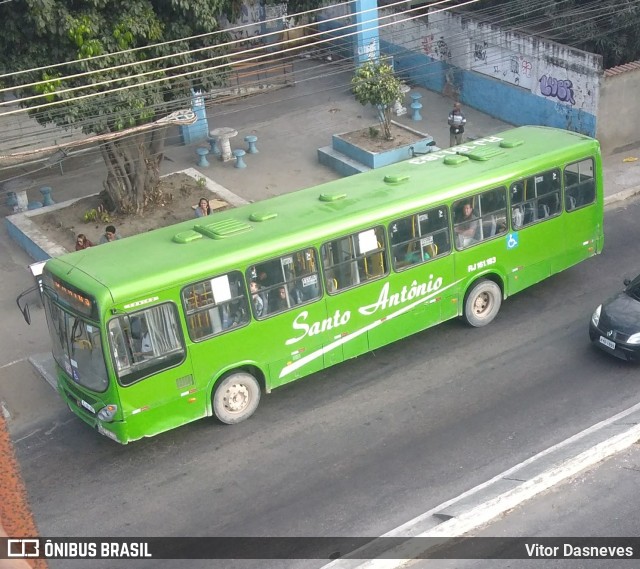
(561, 89)
(502, 64)
(370, 51)
(436, 48)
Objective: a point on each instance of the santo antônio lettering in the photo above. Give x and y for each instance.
(385, 300)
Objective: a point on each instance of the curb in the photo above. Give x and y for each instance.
(524, 481)
(621, 196)
(46, 367)
(28, 236)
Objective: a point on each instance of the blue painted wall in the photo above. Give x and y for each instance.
(496, 98)
(504, 101)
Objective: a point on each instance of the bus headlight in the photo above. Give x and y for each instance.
(595, 317)
(107, 413)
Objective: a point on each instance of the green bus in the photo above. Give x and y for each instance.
(198, 319)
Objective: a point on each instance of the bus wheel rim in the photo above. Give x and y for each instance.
(482, 304)
(236, 398)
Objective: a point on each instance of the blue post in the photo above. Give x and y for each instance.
(46, 196)
(239, 153)
(416, 105)
(200, 129)
(202, 152)
(251, 140)
(367, 42)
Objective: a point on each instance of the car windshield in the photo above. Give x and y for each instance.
(77, 347)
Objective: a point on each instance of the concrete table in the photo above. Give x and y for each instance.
(223, 136)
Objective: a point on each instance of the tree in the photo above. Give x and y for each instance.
(115, 96)
(375, 83)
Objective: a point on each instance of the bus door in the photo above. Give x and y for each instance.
(583, 217)
(536, 241)
(153, 370)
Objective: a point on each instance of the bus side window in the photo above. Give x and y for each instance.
(286, 281)
(215, 305)
(146, 342)
(492, 206)
(536, 198)
(579, 184)
(354, 259)
(420, 237)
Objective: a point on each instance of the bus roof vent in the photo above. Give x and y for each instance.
(511, 143)
(482, 154)
(186, 236)
(455, 160)
(332, 197)
(263, 215)
(394, 180)
(222, 229)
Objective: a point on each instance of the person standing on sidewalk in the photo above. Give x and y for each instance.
(456, 125)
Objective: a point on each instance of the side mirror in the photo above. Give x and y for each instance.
(25, 309)
(626, 281)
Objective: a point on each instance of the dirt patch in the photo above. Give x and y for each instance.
(365, 139)
(180, 193)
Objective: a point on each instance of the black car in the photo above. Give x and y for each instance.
(615, 324)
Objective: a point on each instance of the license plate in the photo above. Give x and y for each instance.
(607, 343)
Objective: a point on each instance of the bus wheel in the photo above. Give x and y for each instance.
(482, 303)
(236, 397)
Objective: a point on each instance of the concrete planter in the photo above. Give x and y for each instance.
(422, 143)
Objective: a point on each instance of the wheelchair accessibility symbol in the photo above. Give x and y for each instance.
(512, 240)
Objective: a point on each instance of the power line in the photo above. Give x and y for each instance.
(403, 20)
(321, 40)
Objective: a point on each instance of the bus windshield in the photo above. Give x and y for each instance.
(77, 347)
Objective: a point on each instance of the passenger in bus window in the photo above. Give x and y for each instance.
(296, 294)
(280, 301)
(467, 226)
(414, 255)
(256, 298)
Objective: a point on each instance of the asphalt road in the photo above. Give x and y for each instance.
(360, 448)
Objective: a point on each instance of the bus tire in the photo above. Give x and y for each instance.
(236, 398)
(482, 303)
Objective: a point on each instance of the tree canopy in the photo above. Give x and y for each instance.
(112, 78)
(375, 83)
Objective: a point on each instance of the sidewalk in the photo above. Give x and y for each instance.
(291, 125)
